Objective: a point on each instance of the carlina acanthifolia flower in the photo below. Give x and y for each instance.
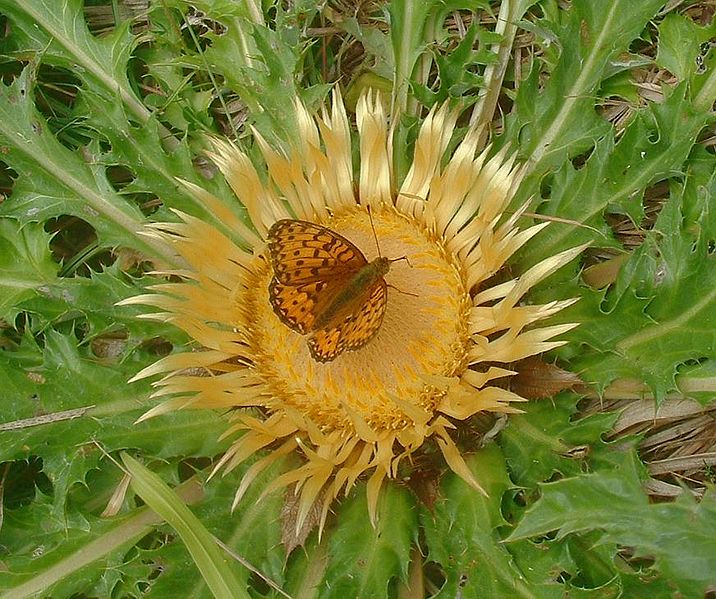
(353, 367)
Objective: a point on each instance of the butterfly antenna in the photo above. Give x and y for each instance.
(375, 235)
(403, 258)
(403, 292)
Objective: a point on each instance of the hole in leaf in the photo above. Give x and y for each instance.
(654, 199)
(189, 467)
(148, 203)
(520, 498)
(9, 69)
(56, 93)
(546, 538)
(563, 577)
(7, 179)
(196, 27)
(103, 18)
(626, 231)
(555, 476)
(140, 78)
(21, 480)
(512, 506)
(258, 584)
(10, 336)
(229, 111)
(434, 575)
(110, 346)
(580, 160)
(158, 346)
(120, 177)
(545, 187)
(643, 45)
(640, 563)
(586, 552)
(75, 246)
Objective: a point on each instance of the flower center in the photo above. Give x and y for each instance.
(397, 378)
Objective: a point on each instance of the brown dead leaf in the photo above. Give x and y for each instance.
(536, 379)
(290, 537)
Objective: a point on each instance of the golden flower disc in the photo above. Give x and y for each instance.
(423, 335)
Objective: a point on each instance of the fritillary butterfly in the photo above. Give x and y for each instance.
(324, 287)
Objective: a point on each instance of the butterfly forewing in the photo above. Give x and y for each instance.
(316, 291)
(303, 252)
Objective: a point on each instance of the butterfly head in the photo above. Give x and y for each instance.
(382, 265)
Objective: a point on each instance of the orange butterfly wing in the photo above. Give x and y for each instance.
(298, 306)
(303, 252)
(312, 265)
(355, 330)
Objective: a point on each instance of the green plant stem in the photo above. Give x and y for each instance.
(126, 533)
(408, 24)
(581, 86)
(218, 573)
(511, 11)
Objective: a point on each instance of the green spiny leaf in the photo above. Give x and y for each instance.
(362, 560)
(56, 180)
(662, 307)
(25, 263)
(544, 440)
(462, 536)
(60, 399)
(680, 536)
(680, 41)
(559, 119)
(58, 32)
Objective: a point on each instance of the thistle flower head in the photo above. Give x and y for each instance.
(433, 358)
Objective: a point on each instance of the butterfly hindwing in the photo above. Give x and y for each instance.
(298, 306)
(355, 330)
(303, 252)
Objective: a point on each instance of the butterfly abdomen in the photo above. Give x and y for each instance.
(363, 280)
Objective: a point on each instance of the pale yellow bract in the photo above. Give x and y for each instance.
(431, 365)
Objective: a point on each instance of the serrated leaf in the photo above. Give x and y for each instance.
(681, 536)
(56, 181)
(50, 555)
(257, 62)
(154, 165)
(149, 151)
(559, 119)
(662, 309)
(362, 560)
(456, 70)
(57, 31)
(545, 440)
(653, 147)
(25, 263)
(59, 400)
(680, 42)
(90, 302)
(462, 535)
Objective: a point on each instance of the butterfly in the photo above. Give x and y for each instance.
(324, 287)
